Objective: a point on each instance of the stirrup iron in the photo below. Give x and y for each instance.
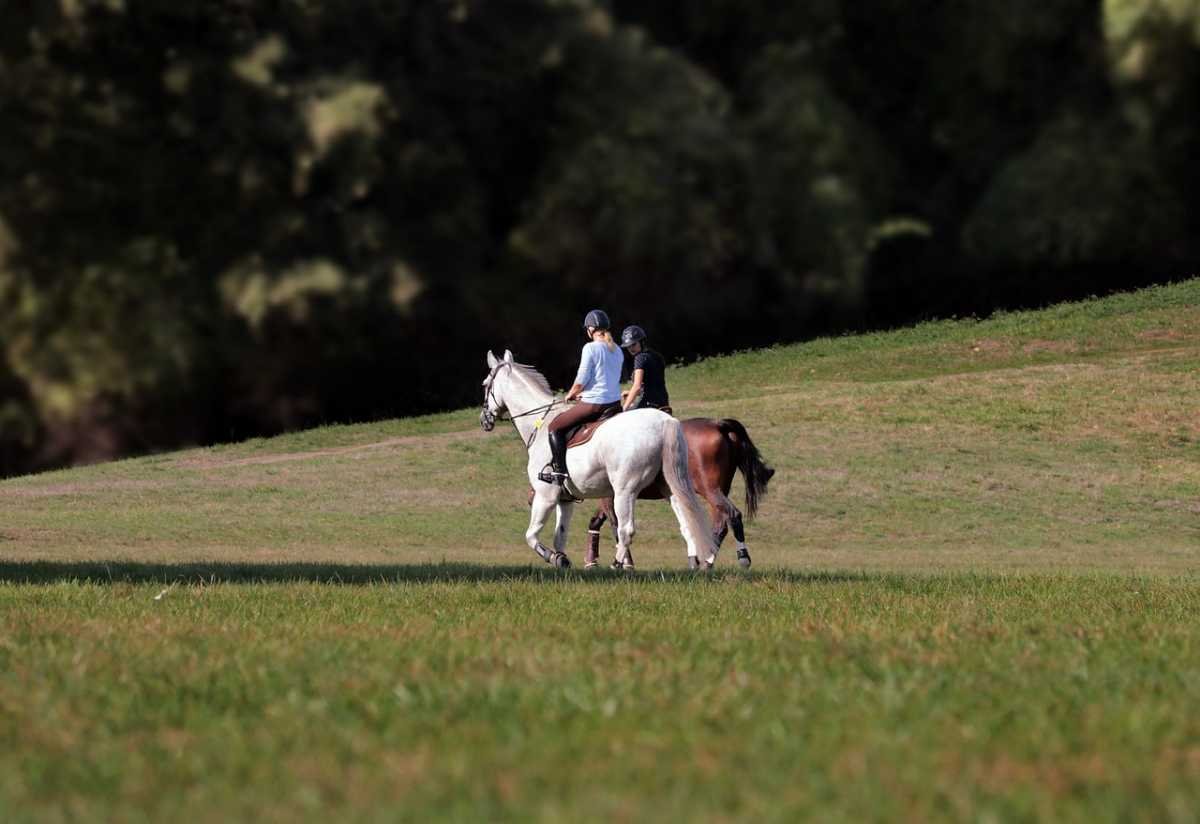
(549, 475)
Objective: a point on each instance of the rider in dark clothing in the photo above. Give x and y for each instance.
(649, 373)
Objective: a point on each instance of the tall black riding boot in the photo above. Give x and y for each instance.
(558, 457)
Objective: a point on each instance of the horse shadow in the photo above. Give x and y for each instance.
(336, 574)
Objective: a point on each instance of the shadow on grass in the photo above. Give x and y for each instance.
(132, 572)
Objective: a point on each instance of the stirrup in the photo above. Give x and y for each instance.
(549, 475)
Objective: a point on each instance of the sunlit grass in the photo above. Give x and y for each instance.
(510, 694)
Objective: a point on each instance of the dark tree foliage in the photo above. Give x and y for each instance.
(222, 218)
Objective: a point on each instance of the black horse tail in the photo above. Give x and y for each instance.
(756, 473)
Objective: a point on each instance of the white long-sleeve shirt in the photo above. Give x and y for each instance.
(600, 373)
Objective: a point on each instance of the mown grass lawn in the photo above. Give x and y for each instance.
(975, 596)
(501, 693)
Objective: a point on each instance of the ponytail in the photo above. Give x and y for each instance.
(605, 335)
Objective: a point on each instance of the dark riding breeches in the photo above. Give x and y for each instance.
(576, 415)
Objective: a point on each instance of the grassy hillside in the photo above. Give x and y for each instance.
(1064, 439)
(974, 598)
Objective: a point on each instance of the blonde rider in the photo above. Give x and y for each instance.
(597, 385)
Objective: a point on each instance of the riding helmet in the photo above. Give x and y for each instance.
(631, 335)
(597, 319)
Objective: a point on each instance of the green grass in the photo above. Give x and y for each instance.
(511, 694)
(975, 597)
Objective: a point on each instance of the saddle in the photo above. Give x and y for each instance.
(579, 435)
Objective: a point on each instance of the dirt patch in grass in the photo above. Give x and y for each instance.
(212, 462)
(1176, 504)
(990, 346)
(77, 488)
(1162, 335)
(1035, 347)
(22, 535)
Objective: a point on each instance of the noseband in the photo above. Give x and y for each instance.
(487, 418)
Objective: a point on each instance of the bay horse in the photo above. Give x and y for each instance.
(629, 453)
(717, 449)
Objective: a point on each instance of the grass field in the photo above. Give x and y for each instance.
(974, 596)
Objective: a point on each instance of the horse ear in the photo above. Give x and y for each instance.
(508, 356)
(491, 360)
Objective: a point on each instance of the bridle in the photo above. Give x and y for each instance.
(487, 419)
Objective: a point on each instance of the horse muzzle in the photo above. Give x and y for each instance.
(487, 421)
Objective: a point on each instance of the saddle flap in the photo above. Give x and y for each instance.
(583, 434)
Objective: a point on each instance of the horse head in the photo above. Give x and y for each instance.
(493, 390)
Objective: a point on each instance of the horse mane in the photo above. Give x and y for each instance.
(532, 377)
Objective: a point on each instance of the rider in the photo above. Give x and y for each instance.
(649, 373)
(597, 385)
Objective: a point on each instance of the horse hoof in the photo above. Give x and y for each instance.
(693, 562)
(708, 565)
(743, 558)
(590, 565)
(560, 560)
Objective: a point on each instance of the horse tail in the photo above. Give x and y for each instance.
(755, 473)
(675, 470)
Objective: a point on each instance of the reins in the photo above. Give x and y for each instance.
(541, 410)
(537, 410)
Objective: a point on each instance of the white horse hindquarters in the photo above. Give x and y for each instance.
(623, 454)
(629, 447)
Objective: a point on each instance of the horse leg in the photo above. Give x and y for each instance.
(606, 512)
(561, 525)
(623, 513)
(722, 514)
(693, 554)
(735, 520)
(617, 562)
(592, 557)
(615, 524)
(539, 511)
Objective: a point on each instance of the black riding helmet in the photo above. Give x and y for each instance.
(597, 319)
(631, 335)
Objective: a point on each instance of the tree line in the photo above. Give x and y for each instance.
(224, 218)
